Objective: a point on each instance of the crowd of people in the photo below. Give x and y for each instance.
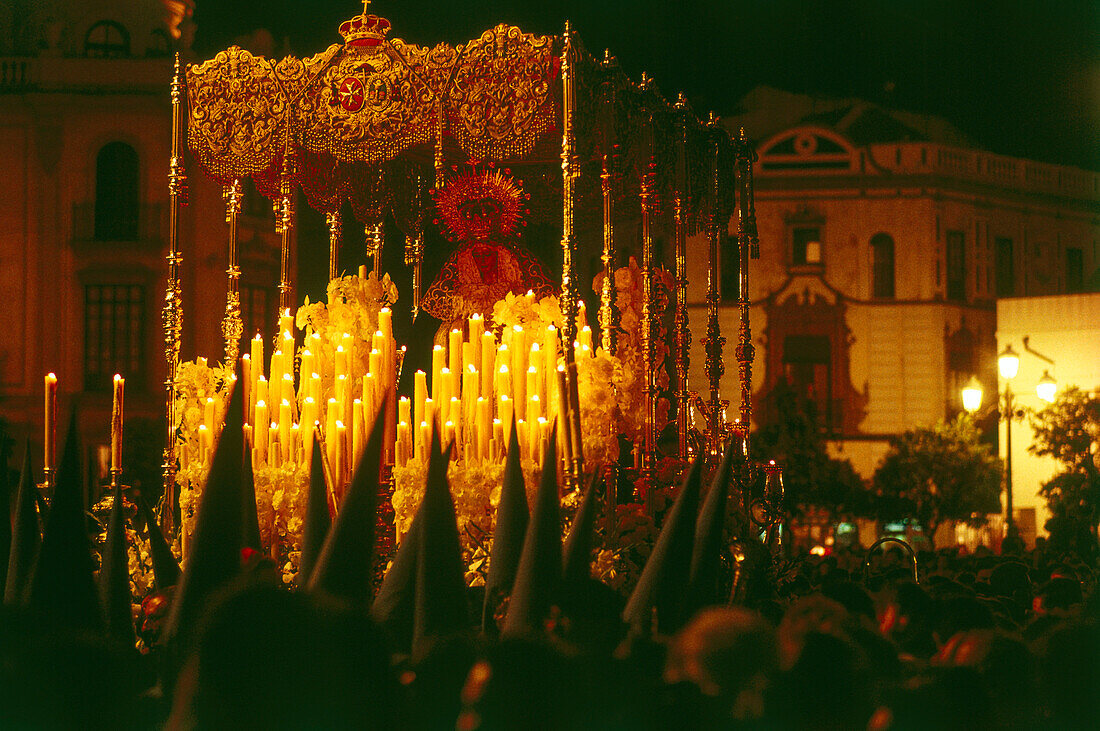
(983, 641)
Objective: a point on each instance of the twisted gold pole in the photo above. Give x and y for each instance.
(414, 257)
(375, 236)
(570, 172)
(748, 244)
(609, 312)
(649, 313)
(335, 231)
(172, 312)
(683, 333)
(285, 226)
(714, 407)
(232, 326)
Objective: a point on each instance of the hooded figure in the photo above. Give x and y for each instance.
(508, 536)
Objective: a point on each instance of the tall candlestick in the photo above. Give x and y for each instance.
(454, 352)
(488, 364)
(50, 441)
(116, 423)
(420, 395)
(284, 429)
(260, 432)
(564, 439)
(438, 363)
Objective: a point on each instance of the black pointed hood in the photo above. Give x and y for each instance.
(511, 527)
(63, 589)
(214, 553)
(114, 576)
(345, 565)
(577, 561)
(26, 536)
(250, 518)
(395, 605)
(706, 552)
(664, 577)
(166, 570)
(318, 519)
(539, 574)
(440, 609)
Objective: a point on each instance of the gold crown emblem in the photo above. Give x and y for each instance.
(365, 32)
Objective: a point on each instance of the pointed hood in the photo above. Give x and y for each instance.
(345, 565)
(26, 536)
(706, 552)
(114, 576)
(539, 574)
(63, 589)
(577, 561)
(665, 574)
(166, 570)
(394, 606)
(318, 518)
(440, 608)
(250, 519)
(511, 527)
(214, 556)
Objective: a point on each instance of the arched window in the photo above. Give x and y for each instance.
(116, 193)
(160, 45)
(107, 39)
(882, 266)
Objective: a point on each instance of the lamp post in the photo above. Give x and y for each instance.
(1008, 365)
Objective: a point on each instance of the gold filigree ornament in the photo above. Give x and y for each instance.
(237, 107)
(502, 93)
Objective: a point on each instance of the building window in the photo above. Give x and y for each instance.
(114, 333)
(882, 266)
(258, 312)
(956, 266)
(1075, 270)
(107, 39)
(116, 193)
(160, 46)
(807, 366)
(1006, 274)
(806, 245)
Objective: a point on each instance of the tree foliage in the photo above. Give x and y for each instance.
(1069, 431)
(811, 478)
(938, 473)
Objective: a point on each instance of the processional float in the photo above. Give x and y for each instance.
(378, 123)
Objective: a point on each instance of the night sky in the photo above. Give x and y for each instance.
(1019, 77)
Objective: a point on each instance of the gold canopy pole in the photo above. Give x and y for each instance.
(683, 333)
(375, 236)
(232, 326)
(609, 313)
(172, 312)
(649, 311)
(285, 227)
(569, 170)
(335, 231)
(748, 244)
(714, 407)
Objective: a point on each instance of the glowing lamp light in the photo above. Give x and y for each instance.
(1046, 387)
(972, 395)
(1008, 363)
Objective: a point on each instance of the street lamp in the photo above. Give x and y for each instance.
(1008, 365)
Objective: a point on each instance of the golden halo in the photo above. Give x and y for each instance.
(477, 205)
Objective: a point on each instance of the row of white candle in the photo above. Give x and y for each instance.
(49, 445)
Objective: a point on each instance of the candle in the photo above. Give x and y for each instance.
(454, 415)
(448, 432)
(375, 364)
(586, 337)
(249, 387)
(249, 443)
(424, 439)
(287, 392)
(429, 412)
(306, 367)
(286, 322)
(208, 418)
(257, 353)
(484, 427)
(534, 360)
(341, 451)
(563, 416)
(534, 408)
(519, 369)
(341, 367)
(309, 420)
(330, 440)
(497, 442)
(404, 410)
(385, 323)
(454, 353)
(523, 437)
(314, 389)
(506, 416)
(438, 363)
(469, 398)
(295, 436)
(420, 395)
(533, 383)
(477, 329)
(204, 444)
(343, 402)
(284, 428)
(50, 442)
(358, 431)
(504, 382)
(260, 434)
(272, 443)
(488, 363)
(116, 423)
(276, 373)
